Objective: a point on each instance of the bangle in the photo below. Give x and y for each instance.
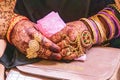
(86, 39)
(15, 19)
(116, 20)
(116, 12)
(92, 28)
(112, 23)
(86, 42)
(100, 27)
(82, 41)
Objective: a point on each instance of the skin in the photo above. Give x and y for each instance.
(24, 31)
(117, 2)
(69, 40)
(1, 0)
(59, 42)
(2, 49)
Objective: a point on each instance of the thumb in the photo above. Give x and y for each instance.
(50, 45)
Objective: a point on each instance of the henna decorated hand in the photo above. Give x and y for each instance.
(74, 40)
(31, 42)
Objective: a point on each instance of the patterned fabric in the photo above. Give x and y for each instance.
(6, 12)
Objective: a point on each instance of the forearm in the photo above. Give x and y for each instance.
(6, 12)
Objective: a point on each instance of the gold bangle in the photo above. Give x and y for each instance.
(100, 27)
(92, 29)
(82, 31)
(86, 39)
(13, 22)
(111, 13)
(111, 26)
(83, 39)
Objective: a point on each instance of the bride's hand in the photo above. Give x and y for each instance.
(32, 43)
(74, 39)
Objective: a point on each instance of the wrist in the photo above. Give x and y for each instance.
(14, 20)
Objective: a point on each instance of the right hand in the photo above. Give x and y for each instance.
(31, 42)
(74, 39)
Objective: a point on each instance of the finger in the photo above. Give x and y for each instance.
(60, 35)
(50, 45)
(57, 37)
(63, 44)
(55, 56)
(43, 40)
(71, 56)
(47, 54)
(72, 34)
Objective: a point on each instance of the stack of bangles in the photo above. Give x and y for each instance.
(14, 20)
(105, 25)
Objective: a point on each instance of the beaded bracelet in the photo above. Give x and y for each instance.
(100, 27)
(15, 19)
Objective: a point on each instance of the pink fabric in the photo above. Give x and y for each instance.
(51, 24)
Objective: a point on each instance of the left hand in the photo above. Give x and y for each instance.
(31, 42)
(74, 39)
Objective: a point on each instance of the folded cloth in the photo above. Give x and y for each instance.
(51, 24)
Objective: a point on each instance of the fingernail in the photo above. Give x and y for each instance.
(54, 48)
(55, 56)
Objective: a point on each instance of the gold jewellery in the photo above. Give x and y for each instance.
(34, 46)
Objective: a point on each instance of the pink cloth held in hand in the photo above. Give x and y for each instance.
(51, 24)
